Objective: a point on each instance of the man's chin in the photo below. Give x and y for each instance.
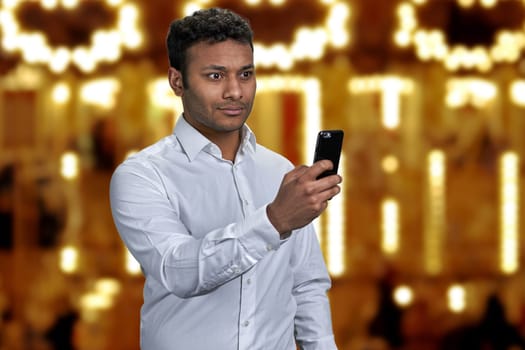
(234, 124)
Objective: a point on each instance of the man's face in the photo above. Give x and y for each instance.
(221, 87)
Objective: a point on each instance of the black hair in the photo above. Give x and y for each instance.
(212, 25)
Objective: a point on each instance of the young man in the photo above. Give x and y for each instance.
(221, 225)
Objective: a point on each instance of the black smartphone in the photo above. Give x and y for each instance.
(328, 146)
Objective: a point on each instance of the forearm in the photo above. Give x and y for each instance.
(184, 261)
(195, 267)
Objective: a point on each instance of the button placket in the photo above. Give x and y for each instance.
(248, 305)
(243, 190)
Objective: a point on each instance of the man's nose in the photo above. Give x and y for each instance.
(233, 89)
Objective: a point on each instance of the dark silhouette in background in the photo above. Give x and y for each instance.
(492, 332)
(61, 334)
(386, 324)
(6, 204)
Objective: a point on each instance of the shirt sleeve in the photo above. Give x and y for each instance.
(153, 232)
(313, 323)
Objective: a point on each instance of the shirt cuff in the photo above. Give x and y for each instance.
(261, 236)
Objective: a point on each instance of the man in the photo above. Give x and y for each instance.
(221, 225)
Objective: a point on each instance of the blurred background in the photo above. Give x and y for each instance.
(425, 243)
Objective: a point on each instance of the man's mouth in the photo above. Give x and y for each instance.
(231, 110)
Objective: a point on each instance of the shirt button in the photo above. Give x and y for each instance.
(249, 281)
(246, 323)
(269, 247)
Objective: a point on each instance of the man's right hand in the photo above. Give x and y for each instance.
(301, 197)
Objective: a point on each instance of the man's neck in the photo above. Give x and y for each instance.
(228, 142)
(229, 145)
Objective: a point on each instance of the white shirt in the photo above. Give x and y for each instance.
(218, 276)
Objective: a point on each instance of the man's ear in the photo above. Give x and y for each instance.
(175, 79)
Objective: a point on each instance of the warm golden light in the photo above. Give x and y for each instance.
(457, 298)
(470, 91)
(69, 259)
(309, 43)
(430, 44)
(403, 295)
(310, 88)
(96, 301)
(390, 164)
(335, 234)
(488, 3)
(69, 165)
(107, 286)
(49, 4)
(162, 96)
(434, 212)
(99, 298)
(390, 226)
(517, 92)
(130, 153)
(391, 89)
(509, 212)
(100, 92)
(105, 45)
(132, 265)
(61, 93)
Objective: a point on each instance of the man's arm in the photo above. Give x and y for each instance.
(150, 226)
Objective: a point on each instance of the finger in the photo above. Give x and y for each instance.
(324, 205)
(320, 167)
(297, 172)
(330, 193)
(300, 169)
(328, 182)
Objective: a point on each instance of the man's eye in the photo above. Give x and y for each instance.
(215, 76)
(246, 74)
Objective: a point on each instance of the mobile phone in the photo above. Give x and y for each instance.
(328, 146)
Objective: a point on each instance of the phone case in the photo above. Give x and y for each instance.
(328, 146)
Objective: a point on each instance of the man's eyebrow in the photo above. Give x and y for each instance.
(248, 66)
(215, 67)
(223, 68)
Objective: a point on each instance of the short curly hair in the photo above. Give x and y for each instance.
(212, 25)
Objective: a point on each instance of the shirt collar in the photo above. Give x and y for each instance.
(193, 142)
(249, 141)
